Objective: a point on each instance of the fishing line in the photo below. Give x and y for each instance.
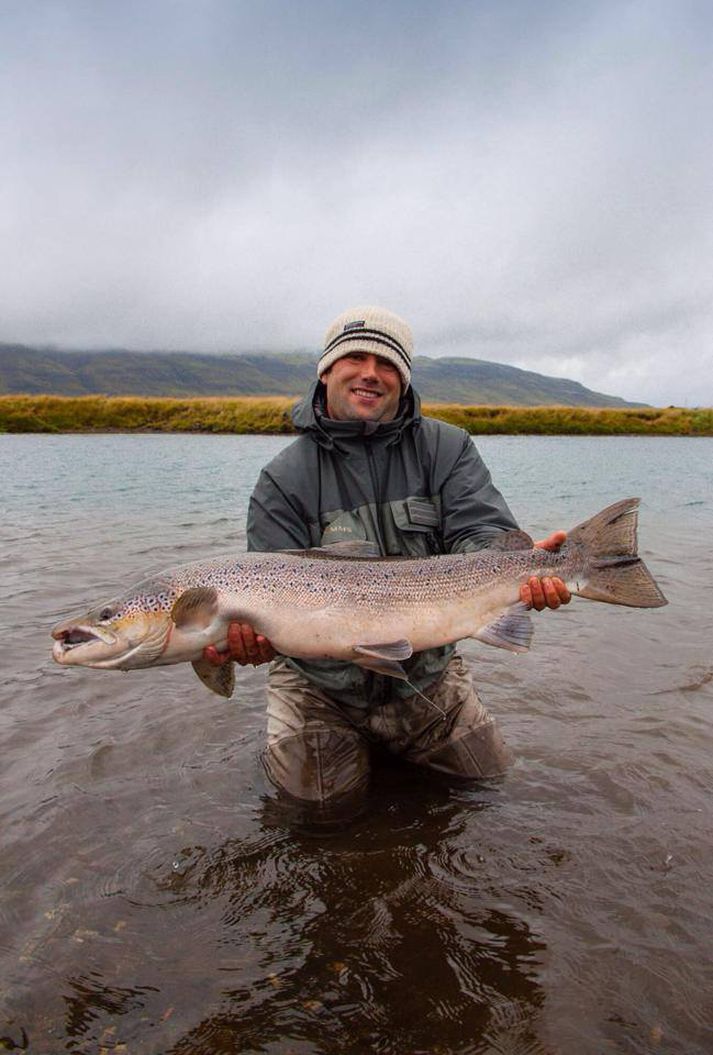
(430, 703)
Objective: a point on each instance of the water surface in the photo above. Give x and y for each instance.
(155, 899)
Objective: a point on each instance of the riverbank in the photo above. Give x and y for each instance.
(271, 415)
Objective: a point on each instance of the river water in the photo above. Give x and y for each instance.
(156, 899)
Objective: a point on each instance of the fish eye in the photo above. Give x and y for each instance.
(106, 614)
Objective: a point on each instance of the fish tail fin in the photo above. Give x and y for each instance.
(624, 580)
(615, 572)
(611, 533)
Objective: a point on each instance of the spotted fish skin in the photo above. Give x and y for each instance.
(322, 604)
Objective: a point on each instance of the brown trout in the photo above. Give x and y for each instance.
(343, 602)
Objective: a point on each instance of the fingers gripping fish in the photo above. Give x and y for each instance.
(343, 602)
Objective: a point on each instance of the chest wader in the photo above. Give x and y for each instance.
(318, 750)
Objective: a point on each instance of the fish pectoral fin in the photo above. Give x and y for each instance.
(511, 630)
(384, 658)
(220, 680)
(196, 607)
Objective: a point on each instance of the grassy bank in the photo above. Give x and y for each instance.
(577, 421)
(271, 414)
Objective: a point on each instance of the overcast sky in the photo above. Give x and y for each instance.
(525, 182)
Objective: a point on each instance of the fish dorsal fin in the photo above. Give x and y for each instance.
(359, 549)
(384, 658)
(220, 680)
(352, 548)
(512, 630)
(511, 540)
(195, 607)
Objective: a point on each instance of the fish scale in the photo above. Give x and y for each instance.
(412, 580)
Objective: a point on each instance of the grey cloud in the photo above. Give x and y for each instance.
(528, 183)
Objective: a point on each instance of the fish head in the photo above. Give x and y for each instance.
(122, 634)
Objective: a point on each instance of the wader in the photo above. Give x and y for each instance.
(318, 749)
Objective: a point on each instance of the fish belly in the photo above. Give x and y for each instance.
(333, 633)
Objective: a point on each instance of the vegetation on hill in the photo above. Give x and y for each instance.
(32, 371)
(53, 414)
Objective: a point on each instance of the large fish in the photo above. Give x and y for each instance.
(344, 603)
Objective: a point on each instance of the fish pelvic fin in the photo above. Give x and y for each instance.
(615, 573)
(220, 680)
(384, 658)
(512, 630)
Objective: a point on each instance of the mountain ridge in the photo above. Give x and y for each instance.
(34, 370)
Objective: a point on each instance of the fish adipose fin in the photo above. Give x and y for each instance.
(195, 607)
(509, 541)
(385, 658)
(615, 573)
(220, 680)
(512, 630)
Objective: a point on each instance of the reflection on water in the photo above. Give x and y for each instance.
(380, 951)
(379, 938)
(157, 898)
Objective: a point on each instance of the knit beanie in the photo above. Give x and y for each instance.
(369, 329)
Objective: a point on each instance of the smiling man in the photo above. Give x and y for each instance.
(369, 466)
(363, 385)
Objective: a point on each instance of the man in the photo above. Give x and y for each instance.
(368, 466)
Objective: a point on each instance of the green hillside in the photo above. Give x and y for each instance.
(35, 371)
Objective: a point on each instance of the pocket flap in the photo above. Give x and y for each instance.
(422, 511)
(415, 514)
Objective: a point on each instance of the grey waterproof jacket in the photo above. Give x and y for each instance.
(414, 485)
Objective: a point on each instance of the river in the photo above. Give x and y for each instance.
(154, 898)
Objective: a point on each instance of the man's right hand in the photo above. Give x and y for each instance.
(244, 647)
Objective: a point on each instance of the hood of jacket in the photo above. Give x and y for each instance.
(309, 416)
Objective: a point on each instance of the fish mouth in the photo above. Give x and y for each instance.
(72, 642)
(122, 646)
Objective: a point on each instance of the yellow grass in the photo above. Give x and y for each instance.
(271, 414)
(572, 421)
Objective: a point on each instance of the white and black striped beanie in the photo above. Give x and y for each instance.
(369, 329)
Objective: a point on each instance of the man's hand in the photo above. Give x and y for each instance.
(244, 646)
(547, 592)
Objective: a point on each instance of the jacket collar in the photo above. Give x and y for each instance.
(309, 416)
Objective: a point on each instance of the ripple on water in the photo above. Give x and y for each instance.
(152, 898)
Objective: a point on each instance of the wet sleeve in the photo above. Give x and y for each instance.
(473, 510)
(275, 519)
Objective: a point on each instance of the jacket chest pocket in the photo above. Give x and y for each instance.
(344, 527)
(417, 527)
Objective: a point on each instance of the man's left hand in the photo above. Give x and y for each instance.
(549, 592)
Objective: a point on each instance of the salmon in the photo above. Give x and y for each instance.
(344, 602)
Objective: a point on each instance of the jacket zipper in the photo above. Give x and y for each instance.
(376, 491)
(378, 686)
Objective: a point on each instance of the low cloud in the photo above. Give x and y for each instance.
(525, 185)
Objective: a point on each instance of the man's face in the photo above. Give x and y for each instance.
(362, 387)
